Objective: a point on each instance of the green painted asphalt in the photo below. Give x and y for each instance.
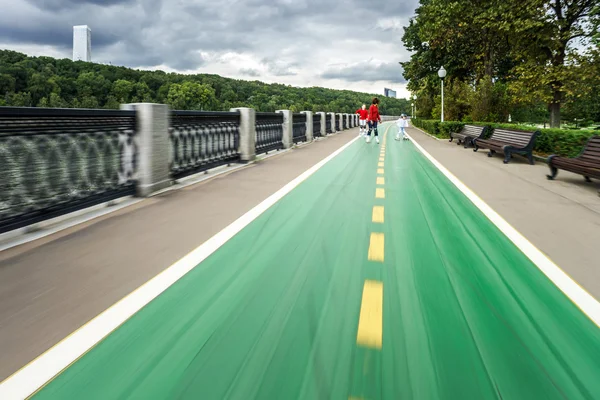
(273, 314)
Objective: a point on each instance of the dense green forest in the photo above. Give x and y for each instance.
(535, 60)
(48, 82)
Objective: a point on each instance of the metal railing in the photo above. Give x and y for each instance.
(269, 132)
(202, 140)
(344, 122)
(328, 124)
(56, 161)
(316, 125)
(299, 128)
(337, 123)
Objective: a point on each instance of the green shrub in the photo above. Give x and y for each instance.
(563, 142)
(438, 129)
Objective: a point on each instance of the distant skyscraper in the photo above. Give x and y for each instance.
(389, 92)
(82, 43)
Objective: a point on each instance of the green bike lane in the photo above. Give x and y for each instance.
(274, 313)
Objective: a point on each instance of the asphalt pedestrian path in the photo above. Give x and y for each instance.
(374, 279)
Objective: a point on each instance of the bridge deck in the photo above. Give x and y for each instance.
(372, 279)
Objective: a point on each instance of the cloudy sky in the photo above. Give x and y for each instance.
(347, 44)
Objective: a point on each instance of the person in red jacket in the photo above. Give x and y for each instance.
(363, 114)
(374, 118)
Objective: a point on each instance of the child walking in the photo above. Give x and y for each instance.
(374, 118)
(363, 114)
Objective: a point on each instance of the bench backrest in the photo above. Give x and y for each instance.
(472, 130)
(517, 138)
(591, 151)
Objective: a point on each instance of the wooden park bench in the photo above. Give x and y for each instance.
(586, 164)
(509, 142)
(467, 134)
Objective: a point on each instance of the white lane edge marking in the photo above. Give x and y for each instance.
(54, 361)
(578, 295)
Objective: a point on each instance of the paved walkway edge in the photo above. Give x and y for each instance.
(49, 227)
(35, 375)
(578, 295)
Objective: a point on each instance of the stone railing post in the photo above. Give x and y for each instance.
(154, 146)
(323, 124)
(347, 117)
(339, 117)
(247, 133)
(288, 124)
(309, 125)
(333, 117)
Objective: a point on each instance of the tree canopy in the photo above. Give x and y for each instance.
(48, 82)
(506, 57)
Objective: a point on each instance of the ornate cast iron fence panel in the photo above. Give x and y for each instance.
(299, 128)
(202, 140)
(316, 125)
(56, 161)
(269, 132)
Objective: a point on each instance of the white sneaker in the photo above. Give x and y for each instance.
(397, 137)
(368, 139)
(377, 139)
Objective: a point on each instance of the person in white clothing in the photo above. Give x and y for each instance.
(402, 123)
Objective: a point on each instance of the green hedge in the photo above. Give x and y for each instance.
(437, 128)
(563, 142)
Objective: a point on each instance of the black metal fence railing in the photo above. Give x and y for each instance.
(202, 140)
(337, 123)
(328, 124)
(316, 125)
(56, 161)
(269, 132)
(299, 128)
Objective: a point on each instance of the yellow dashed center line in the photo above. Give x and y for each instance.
(370, 323)
(380, 193)
(376, 247)
(380, 180)
(378, 214)
(380, 171)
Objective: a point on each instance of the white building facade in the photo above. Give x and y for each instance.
(82, 43)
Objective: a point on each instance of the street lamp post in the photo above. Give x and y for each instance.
(442, 75)
(412, 109)
(415, 103)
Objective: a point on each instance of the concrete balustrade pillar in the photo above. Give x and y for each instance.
(347, 116)
(323, 123)
(339, 118)
(154, 146)
(247, 133)
(333, 117)
(309, 125)
(288, 124)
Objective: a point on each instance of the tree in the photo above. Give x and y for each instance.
(191, 96)
(544, 35)
(122, 90)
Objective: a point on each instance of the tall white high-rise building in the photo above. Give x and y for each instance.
(82, 43)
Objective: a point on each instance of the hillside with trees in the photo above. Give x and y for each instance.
(48, 82)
